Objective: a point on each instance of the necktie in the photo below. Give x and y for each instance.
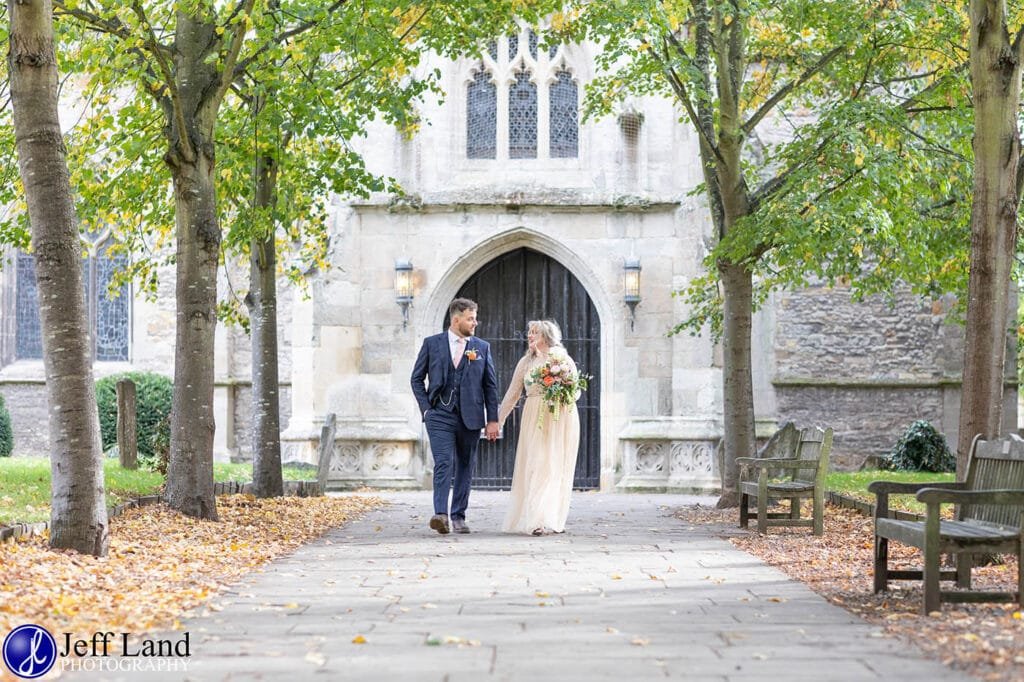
(458, 351)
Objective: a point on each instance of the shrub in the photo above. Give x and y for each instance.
(921, 448)
(153, 395)
(6, 431)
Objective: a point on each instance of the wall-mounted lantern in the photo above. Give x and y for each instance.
(403, 288)
(631, 282)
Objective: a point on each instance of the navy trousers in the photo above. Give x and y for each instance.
(454, 449)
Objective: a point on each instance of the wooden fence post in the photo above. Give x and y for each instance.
(127, 433)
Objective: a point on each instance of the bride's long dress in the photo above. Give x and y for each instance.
(545, 455)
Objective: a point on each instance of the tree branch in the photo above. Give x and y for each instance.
(237, 38)
(348, 81)
(281, 37)
(94, 21)
(784, 91)
(707, 136)
(159, 54)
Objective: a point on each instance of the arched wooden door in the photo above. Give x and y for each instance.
(512, 289)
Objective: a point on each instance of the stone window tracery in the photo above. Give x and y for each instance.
(109, 317)
(563, 126)
(522, 102)
(481, 117)
(522, 118)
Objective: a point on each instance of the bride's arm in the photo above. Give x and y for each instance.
(515, 389)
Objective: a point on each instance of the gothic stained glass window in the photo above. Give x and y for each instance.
(552, 51)
(28, 342)
(513, 47)
(481, 117)
(532, 41)
(563, 121)
(522, 118)
(492, 49)
(110, 328)
(108, 318)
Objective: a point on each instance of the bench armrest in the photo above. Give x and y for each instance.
(898, 487)
(882, 490)
(933, 495)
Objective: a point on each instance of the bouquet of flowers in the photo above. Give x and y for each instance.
(561, 384)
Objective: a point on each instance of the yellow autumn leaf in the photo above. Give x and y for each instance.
(359, 639)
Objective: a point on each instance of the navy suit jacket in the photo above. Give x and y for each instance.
(479, 390)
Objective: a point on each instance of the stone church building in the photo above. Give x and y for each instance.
(511, 200)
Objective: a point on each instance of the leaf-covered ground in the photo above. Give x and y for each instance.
(162, 566)
(984, 640)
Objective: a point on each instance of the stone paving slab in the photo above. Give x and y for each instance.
(626, 593)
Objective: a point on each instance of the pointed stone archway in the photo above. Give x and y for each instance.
(524, 285)
(473, 275)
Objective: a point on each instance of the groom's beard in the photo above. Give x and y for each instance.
(465, 330)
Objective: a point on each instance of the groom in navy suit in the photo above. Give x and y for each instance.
(455, 385)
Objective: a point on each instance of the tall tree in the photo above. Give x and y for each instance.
(996, 87)
(78, 516)
(297, 108)
(187, 57)
(184, 56)
(857, 103)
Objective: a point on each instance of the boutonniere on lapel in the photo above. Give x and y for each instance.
(472, 355)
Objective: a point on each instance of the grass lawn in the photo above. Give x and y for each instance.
(25, 484)
(855, 484)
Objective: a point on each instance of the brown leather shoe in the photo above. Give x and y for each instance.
(439, 522)
(459, 526)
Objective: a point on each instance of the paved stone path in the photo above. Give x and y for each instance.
(626, 593)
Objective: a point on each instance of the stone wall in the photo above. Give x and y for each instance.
(242, 445)
(865, 420)
(869, 368)
(822, 333)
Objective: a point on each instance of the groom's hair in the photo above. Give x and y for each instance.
(461, 305)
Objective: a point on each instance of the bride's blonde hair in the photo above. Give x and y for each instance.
(548, 329)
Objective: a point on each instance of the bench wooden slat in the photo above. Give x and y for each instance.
(781, 487)
(912, 532)
(988, 521)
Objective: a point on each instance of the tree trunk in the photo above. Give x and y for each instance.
(995, 79)
(190, 471)
(738, 385)
(78, 515)
(262, 304)
(191, 123)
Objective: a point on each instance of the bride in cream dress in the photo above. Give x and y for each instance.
(546, 452)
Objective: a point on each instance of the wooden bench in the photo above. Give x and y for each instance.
(795, 478)
(989, 520)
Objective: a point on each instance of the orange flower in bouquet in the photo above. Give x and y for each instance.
(562, 385)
